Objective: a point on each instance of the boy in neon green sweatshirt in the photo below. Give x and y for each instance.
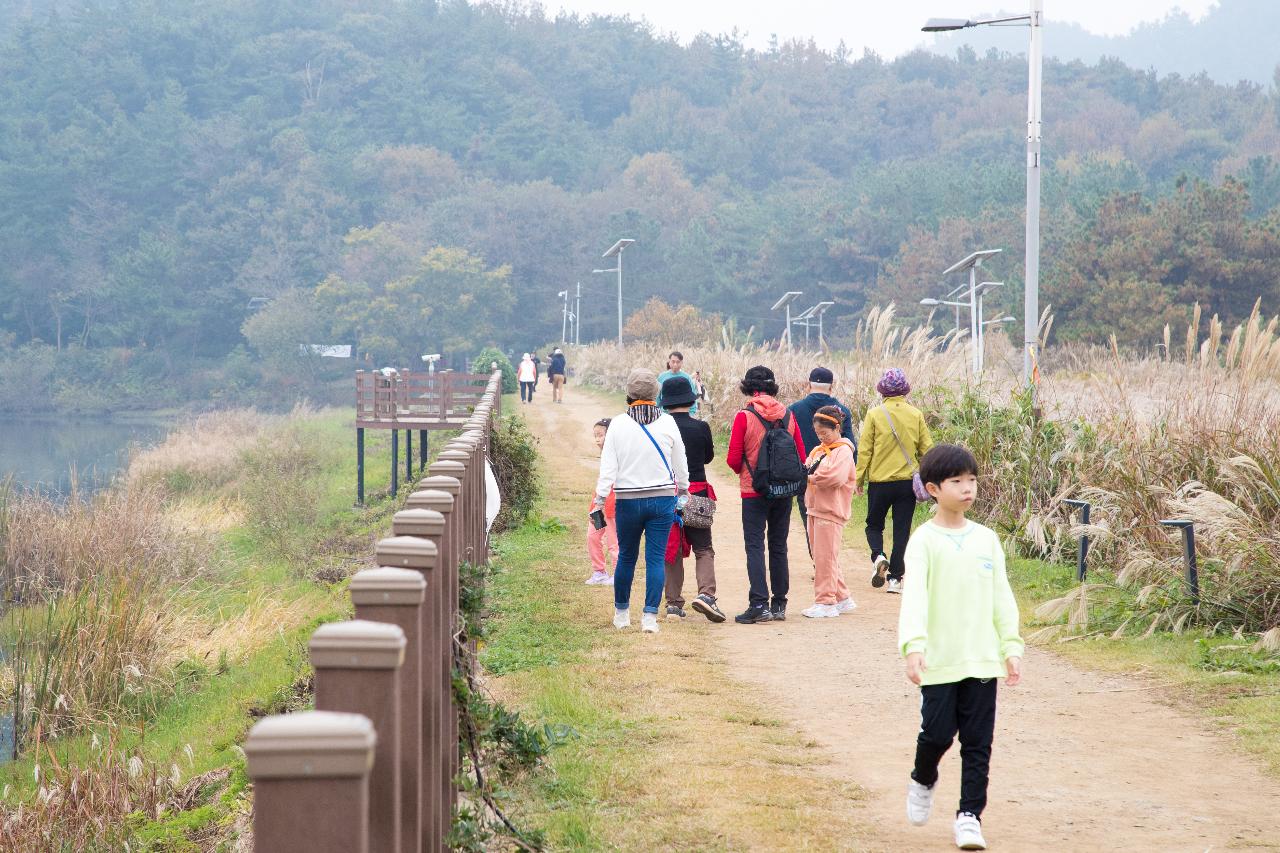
(958, 630)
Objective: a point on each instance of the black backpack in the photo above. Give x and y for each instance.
(779, 471)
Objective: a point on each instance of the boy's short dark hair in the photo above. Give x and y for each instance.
(944, 461)
(676, 354)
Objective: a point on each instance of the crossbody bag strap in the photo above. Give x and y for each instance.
(670, 473)
(910, 462)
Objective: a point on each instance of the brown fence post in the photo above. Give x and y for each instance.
(448, 583)
(357, 668)
(310, 773)
(426, 555)
(395, 596)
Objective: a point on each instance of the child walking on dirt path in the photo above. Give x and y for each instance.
(598, 538)
(829, 499)
(958, 630)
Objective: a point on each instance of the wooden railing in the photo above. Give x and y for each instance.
(407, 399)
(373, 768)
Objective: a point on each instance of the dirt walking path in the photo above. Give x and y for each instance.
(1082, 761)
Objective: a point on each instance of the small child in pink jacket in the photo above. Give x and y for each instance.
(600, 538)
(829, 499)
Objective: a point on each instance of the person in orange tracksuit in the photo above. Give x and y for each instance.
(829, 500)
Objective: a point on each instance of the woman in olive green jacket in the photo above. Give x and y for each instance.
(894, 437)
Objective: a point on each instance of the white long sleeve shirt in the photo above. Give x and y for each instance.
(630, 464)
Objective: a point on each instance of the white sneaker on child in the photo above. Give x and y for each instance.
(649, 623)
(621, 618)
(822, 611)
(598, 579)
(846, 606)
(895, 586)
(969, 832)
(919, 803)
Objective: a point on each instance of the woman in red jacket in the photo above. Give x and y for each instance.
(762, 516)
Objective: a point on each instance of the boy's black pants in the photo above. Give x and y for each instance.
(896, 495)
(967, 707)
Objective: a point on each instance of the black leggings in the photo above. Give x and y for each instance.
(896, 495)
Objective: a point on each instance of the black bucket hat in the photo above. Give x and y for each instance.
(677, 391)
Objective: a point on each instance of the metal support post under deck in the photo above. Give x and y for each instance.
(395, 462)
(422, 450)
(360, 466)
(408, 456)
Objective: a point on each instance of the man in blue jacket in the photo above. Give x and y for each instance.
(820, 381)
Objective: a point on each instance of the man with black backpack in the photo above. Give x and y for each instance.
(767, 452)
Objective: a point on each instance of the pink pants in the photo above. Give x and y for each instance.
(597, 540)
(828, 581)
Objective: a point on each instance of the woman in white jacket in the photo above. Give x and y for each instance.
(527, 376)
(643, 461)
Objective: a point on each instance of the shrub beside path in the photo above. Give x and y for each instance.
(1083, 761)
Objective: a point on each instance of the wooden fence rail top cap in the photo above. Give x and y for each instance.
(440, 482)
(385, 585)
(468, 441)
(315, 744)
(357, 644)
(420, 520)
(448, 467)
(406, 552)
(455, 455)
(429, 496)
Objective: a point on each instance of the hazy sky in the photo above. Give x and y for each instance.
(892, 30)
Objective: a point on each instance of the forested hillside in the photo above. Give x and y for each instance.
(421, 176)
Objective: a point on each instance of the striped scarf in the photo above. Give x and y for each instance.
(644, 412)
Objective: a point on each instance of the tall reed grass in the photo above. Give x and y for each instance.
(1143, 436)
(91, 586)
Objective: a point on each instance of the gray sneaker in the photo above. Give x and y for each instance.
(674, 614)
(706, 605)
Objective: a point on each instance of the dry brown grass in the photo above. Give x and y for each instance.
(204, 453)
(90, 809)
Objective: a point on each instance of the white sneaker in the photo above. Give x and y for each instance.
(846, 606)
(969, 833)
(822, 611)
(621, 618)
(894, 586)
(919, 803)
(598, 579)
(649, 623)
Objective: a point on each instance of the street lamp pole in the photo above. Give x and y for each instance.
(615, 251)
(564, 317)
(1035, 64)
(1031, 303)
(577, 317)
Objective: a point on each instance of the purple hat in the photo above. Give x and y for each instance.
(894, 383)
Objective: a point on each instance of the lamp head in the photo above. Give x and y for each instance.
(944, 25)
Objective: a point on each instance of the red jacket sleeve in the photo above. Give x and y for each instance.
(795, 433)
(737, 442)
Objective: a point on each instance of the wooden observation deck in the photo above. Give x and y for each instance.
(414, 400)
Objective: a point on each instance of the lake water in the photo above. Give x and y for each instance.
(42, 454)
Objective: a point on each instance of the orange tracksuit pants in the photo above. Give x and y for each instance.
(828, 581)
